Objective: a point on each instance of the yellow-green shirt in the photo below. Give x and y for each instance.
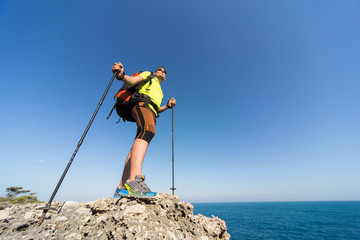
(153, 90)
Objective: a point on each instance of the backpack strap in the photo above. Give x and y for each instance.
(144, 81)
(112, 109)
(135, 93)
(148, 100)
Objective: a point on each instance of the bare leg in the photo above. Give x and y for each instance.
(138, 152)
(126, 172)
(134, 161)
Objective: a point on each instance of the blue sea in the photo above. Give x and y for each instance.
(287, 220)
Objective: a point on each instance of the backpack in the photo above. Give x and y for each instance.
(128, 96)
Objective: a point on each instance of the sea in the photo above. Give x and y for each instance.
(338, 220)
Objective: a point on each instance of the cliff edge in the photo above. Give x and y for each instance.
(165, 217)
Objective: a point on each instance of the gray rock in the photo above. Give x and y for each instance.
(165, 217)
(69, 208)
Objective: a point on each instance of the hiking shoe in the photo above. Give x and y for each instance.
(120, 192)
(123, 192)
(138, 187)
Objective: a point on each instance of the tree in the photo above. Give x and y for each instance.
(13, 192)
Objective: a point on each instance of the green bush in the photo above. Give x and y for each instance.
(5, 199)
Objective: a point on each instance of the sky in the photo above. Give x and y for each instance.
(267, 97)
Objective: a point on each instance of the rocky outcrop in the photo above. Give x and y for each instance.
(162, 218)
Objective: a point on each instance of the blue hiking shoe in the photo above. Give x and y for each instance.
(120, 192)
(138, 188)
(135, 188)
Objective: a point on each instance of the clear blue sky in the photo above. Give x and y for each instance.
(267, 92)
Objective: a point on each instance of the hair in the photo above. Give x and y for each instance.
(161, 67)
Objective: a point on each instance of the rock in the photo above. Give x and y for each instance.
(69, 208)
(137, 209)
(4, 214)
(165, 217)
(4, 205)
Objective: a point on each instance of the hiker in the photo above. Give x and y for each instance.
(144, 113)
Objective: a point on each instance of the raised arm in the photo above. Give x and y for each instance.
(118, 68)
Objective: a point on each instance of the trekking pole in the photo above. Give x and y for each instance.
(47, 207)
(172, 117)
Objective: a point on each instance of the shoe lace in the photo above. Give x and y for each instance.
(145, 186)
(138, 186)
